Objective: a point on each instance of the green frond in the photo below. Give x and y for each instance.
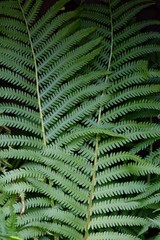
(43, 228)
(20, 111)
(130, 80)
(47, 159)
(130, 137)
(75, 161)
(6, 44)
(144, 145)
(31, 232)
(59, 45)
(154, 156)
(119, 189)
(79, 133)
(67, 66)
(27, 6)
(115, 158)
(153, 223)
(72, 87)
(64, 199)
(17, 80)
(14, 56)
(134, 41)
(15, 36)
(132, 106)
(111, 221)
(76, 115)
(16, 188)
(128, 6)
(95, 8)
(8, 4)
(72, 180)
(96, 16)
(70, 102)
(156, 221)
(128, 15)
(42, 172)
(135, 53)
(131, 125)
(19, 68)
(20, 123)
(17, 174)
(82, 133)
(151, 200)
(130, 30)
(151, 189)
(127, 69)
(50, 37)
(111, 236)
(135, 92)
(123, 171)
(40, 26)
(15, 140)
(33, 12)
(12, 24)
(114, 205)
(31, 203)
(3, 198)
(51, 214)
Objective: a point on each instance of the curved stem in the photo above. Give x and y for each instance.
(98, 138)
(36, 76)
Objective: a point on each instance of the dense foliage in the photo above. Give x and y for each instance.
(79, 135)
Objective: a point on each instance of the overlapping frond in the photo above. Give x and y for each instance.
(78, 98)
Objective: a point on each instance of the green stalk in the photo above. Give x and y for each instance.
(38, 94)
(98, 139)
(36, 76)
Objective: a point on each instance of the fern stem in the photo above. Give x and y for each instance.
(36, 76)
(98, 137)
(92, 186)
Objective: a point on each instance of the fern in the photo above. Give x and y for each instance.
(77, 99)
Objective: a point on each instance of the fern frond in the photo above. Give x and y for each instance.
(65, 200)
(112, 236)
(19, 81)
(73, 86)
(76, 115)
(126, 7)
(15, 140)
(39, 27)
(127, 15)
(124, 109)
(119, 189)
(20, 124)
(83, 133)
(77, 96)
(33, 11)
(20, 111)
(113, 205)
(50, 213)
(123, 171)
(16, 188)
(110, 221)
(42, 228)
(135, 53)
(66, 31)
(134, 93)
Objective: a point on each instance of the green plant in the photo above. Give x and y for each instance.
(82, 140)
